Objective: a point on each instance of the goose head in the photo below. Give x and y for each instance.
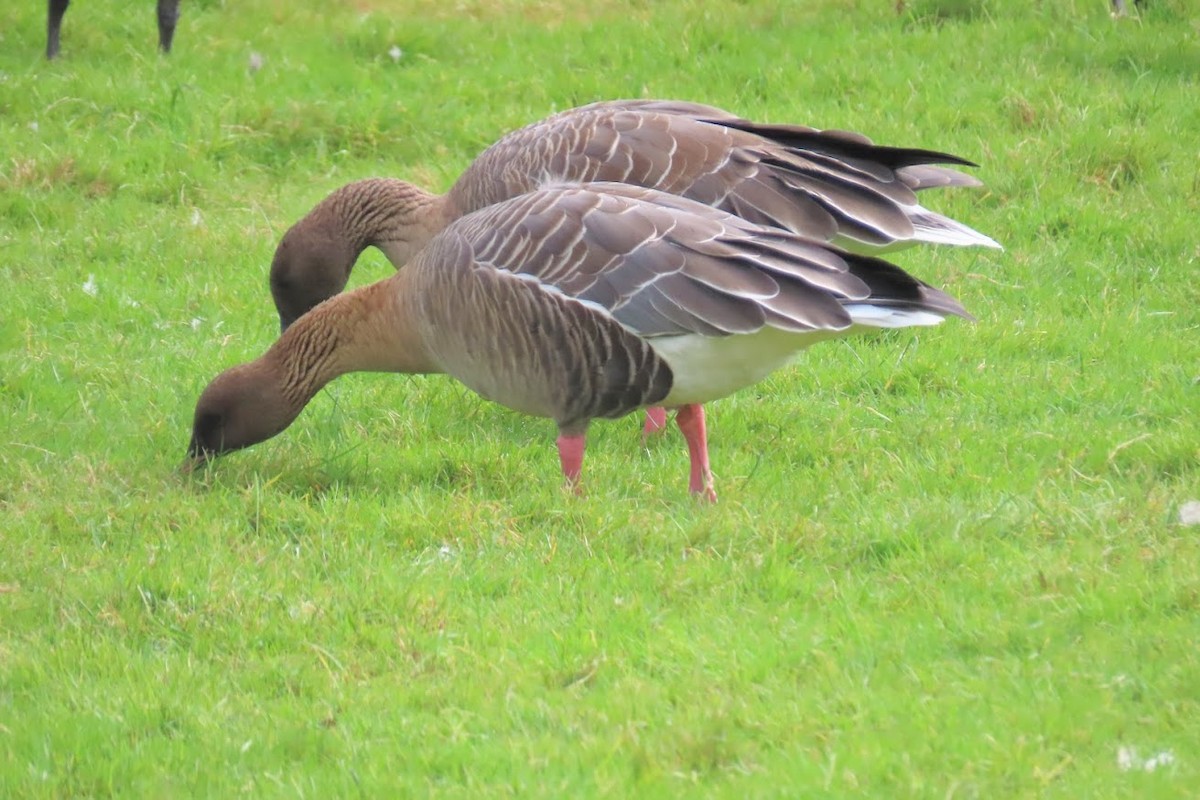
(244, 405)
(312, 263)
(315, 257)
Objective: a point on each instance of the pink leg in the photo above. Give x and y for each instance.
(690, 420)
(656, 421)
(570, 454)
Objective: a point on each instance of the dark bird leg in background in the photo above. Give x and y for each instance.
(168, 15)
(57, 9)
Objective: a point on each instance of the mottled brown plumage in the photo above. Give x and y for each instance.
(577, 303)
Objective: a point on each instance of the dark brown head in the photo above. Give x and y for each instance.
(242, 406)
(311, 264)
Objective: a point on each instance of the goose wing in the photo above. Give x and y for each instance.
(663, 265)
(828, 185)
(914, 166)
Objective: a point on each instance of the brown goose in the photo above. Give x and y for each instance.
(830, 185)
(578, 302)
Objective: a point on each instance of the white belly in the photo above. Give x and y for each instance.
(710, 367)
(707, 367)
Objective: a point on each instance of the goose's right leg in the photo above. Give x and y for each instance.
(690, 420)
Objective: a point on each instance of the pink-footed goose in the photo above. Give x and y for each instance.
(578, 302)
(830, 185)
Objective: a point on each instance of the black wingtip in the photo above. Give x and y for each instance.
(844, 144)
(892, 286)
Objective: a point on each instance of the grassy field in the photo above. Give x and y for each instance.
(945, 563)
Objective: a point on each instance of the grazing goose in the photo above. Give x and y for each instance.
(829, 185)
(578, 302)
(168, 16)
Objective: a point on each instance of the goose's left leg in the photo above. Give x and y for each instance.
(690, 420)
(570, 455)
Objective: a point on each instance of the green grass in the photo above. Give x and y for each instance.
(945, 563)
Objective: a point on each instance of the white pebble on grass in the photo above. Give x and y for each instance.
(256, 61)
(1189, 513)
(1162, 759)
(396, 53)
(1128, 759)
(442, 554)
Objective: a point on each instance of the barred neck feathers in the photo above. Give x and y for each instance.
(315, 257)
(388, 214)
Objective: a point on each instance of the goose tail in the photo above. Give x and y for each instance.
(897, 299)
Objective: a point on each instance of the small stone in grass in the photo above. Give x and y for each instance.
(1128, 759)
(256, 62)
(396, 53)
(1189, 513)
